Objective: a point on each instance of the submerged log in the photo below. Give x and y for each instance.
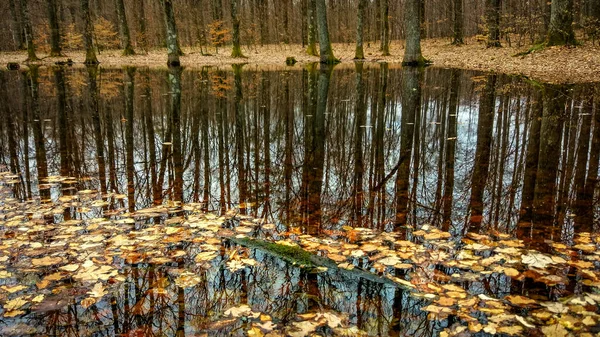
(299, 256)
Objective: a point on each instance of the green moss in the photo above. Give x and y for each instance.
(292, 254)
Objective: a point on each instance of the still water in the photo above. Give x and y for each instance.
(310, 150)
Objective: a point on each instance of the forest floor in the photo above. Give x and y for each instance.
(555, 64)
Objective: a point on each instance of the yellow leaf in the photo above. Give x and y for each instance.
(46, 261)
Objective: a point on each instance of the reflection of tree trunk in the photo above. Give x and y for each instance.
(485, 124)
(379, 163)
(93, 90)
(450, 150)
(205, 142)
(359, 125)
(26, 122)
(38, 132)
(11, 127)
(130, 167)
(592, 175)
(149, 120)
(583, 204)
(64, 134)
(531, 163)
(239, 136)
(221, 153)
(289, 150)
(411, 106)
(267, 145)
(550, 134)
(175, 91)
(312, 172)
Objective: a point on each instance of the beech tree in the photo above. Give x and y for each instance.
(55, 49)
(492, 17)
(457, 22)
(88, 32)
(324, 42)
(412, 27)
(237, 50)
(560, 31)
(311, 49)
(124, 29)
(360, 54)
(31, 56)
(172, 44)
(385, 27)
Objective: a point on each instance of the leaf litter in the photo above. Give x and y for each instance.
(88, 254)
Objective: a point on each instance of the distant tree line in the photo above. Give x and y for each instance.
(52, 26)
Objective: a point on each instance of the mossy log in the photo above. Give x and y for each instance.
(299, 256)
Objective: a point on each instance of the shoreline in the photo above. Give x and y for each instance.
(552, 65)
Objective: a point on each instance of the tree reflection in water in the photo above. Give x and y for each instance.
(310, 150)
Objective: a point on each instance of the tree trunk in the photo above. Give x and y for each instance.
(492, 16)
(55, 49)
(324, 42)
(237, 50)
(385, 28)
(17, 29)
(88, 32)
(172, 44)
(142, 36)
(28, 31)
(457, 38)
(124, 29)
(412, 53)
(360, 54)
(560, 31)
(312, 29)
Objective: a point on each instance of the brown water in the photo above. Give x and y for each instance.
(310, 150)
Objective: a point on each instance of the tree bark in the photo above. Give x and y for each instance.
(55, 48)
(171, 27)
(312, 28)
(385, 27)
(17, 29)
(88, 32)
(124, 28)
(237, 50)
(28, 31)
(560, 31)
(359, 53)
(324, 43)
(412, 53)
(142, 36)
(492, 16)
(457, 36)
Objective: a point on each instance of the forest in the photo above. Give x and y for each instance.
(299, 168)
